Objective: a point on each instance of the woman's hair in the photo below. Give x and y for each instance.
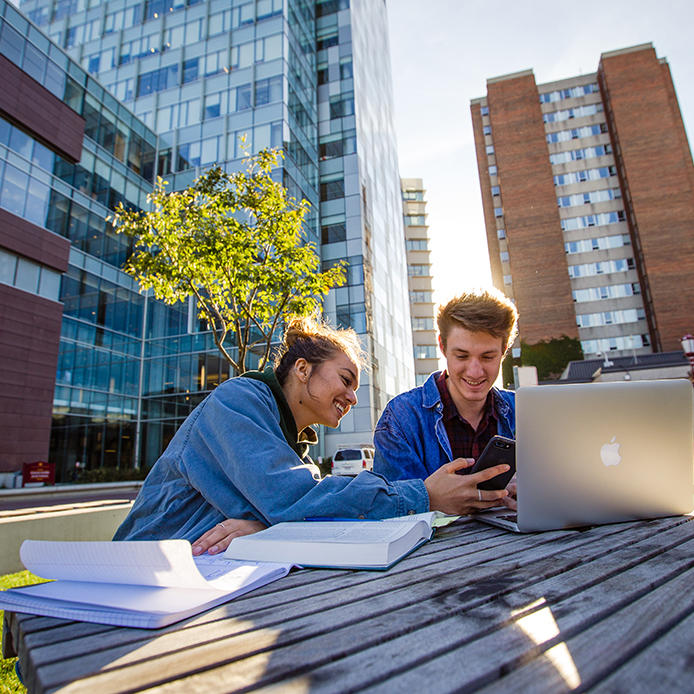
(316, 342)
(480, 310)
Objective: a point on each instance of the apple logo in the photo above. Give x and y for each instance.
(609, 452)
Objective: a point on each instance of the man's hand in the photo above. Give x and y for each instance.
(512, 499)
(218, 538)
(458, 494)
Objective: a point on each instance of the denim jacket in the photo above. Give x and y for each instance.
(410, 437)
(230, 459)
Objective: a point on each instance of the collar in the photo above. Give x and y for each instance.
(299, 441)
(449, 409)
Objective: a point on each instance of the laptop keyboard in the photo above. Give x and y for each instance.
(510, 517)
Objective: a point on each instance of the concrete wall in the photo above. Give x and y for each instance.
(97, 523)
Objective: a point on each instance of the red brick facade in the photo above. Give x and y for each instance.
(541, 289)
(29, 343)
(655, 165)
(29, 340)
(30, 324)
(35, 109)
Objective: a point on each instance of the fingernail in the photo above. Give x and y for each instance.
(197, 549)
(213, 550)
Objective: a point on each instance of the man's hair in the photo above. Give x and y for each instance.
(316, 342)
(480, 310)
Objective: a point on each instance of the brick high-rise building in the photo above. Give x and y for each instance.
(588, 192)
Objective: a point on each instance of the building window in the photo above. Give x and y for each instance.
(492, 170)
(422, 324)
(503, 256)
(484, 110)
(419, 270)
(573, 92)
(591, 320)
(426, 352)
(580, 154)
(577, 133)
(592, 220)
(489, 149)
(498, 212)
(332, 190)
(590, 197)
(268, 90)
(487, 129)
(333, 233)
(417, 195)
(585, 175)
(415, 220)
(579, 112)
(421, 296)
(417, 245)
(496, 190)
(612, 291)
(507, 279)
(190, 70)
(599, 243)
(601, 267)
(501, 233)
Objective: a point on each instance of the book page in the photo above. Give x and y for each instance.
(340, 532)
(149, 563)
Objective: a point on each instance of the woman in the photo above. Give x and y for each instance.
(242, 453)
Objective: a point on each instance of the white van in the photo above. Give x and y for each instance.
(351, 460)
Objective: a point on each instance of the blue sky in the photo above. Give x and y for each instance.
(442, 53)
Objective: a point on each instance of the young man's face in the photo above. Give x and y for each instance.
(473, 360)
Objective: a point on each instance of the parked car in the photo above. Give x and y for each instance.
(352, 460)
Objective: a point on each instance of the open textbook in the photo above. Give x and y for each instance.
(337, 544)
(146, 584)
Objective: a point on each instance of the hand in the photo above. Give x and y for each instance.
(512, 499)
(218, 538)
(458, 494)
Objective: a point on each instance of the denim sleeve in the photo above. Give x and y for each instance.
(399, 454)
(241, 444)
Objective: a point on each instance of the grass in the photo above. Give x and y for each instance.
(9, 683)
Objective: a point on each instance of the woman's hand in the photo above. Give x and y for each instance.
(218, 538)
(458, 494)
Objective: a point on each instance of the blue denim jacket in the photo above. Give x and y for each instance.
(230, 459)
(410, 437)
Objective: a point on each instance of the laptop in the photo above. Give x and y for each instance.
(595, 453)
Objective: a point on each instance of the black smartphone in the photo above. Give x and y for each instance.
(498, 451)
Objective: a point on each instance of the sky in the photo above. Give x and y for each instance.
(443, 52)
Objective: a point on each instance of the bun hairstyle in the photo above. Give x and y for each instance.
(316, 342)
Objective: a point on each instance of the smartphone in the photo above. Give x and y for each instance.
(499, 450)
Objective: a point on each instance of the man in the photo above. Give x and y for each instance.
(456, 411)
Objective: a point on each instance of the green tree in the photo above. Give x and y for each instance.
(235, 243)
(550, 357)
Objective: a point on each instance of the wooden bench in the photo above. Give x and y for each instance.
(608, 609)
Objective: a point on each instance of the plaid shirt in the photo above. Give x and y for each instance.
(465, 441)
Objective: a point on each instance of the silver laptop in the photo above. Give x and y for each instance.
(595, 453)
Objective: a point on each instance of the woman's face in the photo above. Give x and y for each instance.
(331, 390)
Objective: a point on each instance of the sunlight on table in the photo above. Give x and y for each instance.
(540, 626)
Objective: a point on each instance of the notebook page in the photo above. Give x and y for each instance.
(150, 563)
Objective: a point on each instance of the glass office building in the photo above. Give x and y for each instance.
(67, 186)
(310, 77)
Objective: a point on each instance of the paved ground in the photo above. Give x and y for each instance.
(67, 498)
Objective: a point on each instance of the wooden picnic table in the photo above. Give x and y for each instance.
(605, 609)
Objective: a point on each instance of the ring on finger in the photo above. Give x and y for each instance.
(221, 525)
(479, 494)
